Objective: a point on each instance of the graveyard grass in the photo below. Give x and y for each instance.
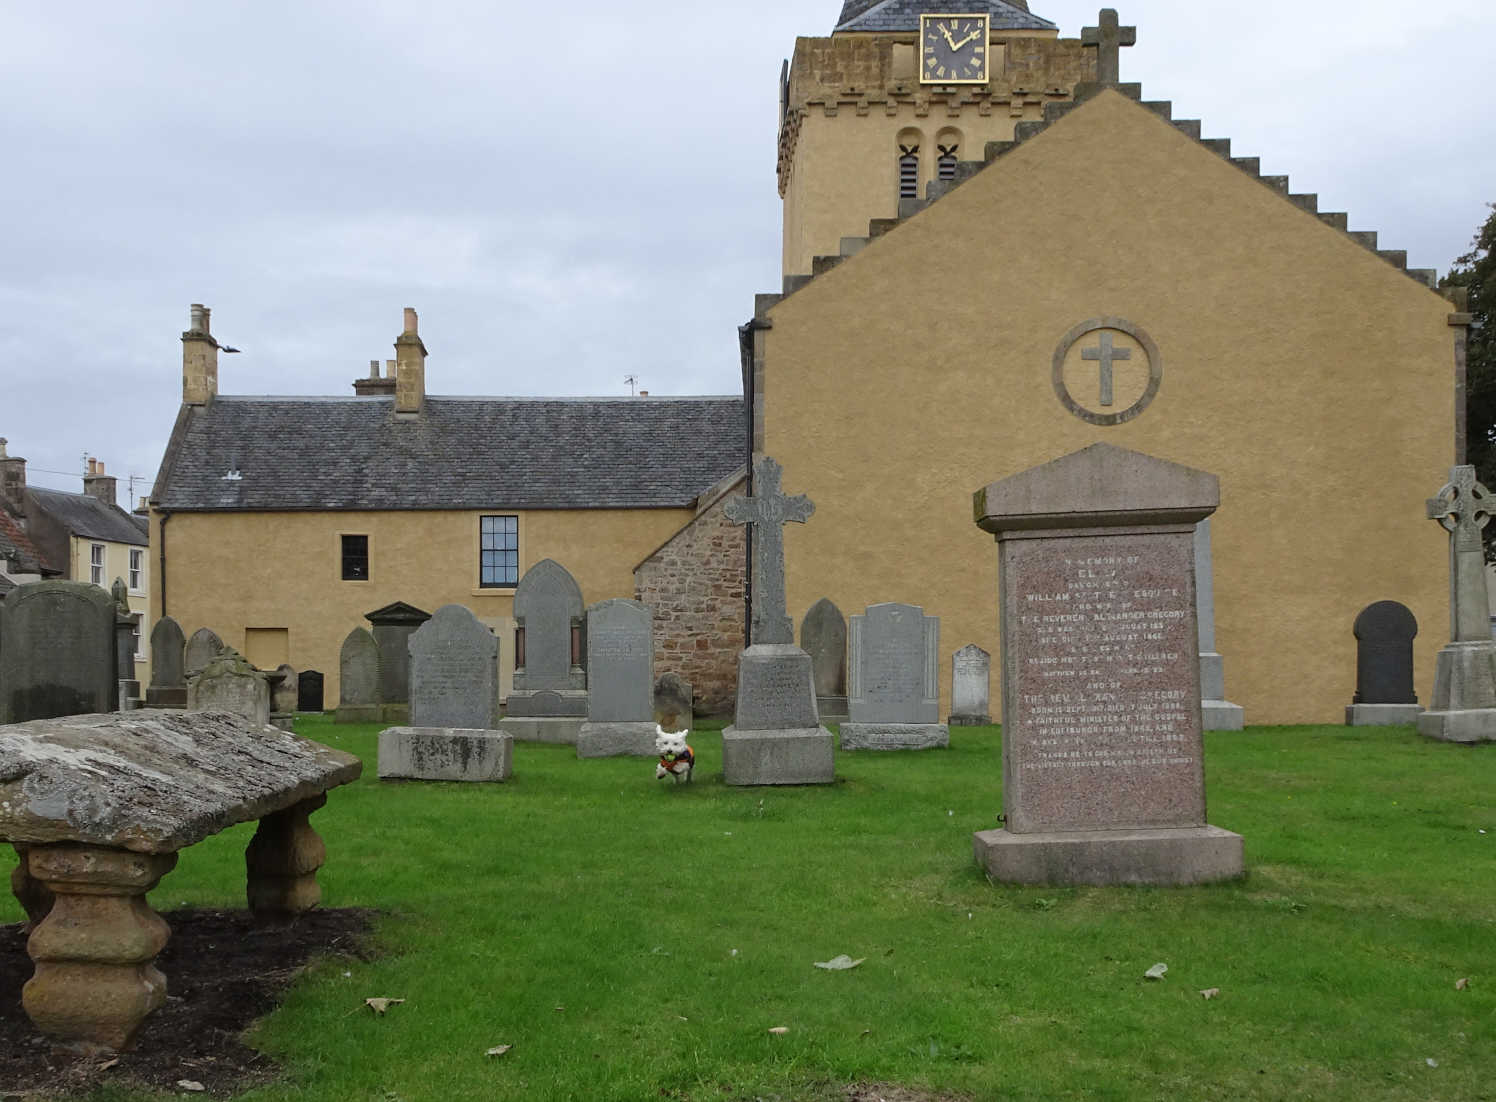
(635, 941)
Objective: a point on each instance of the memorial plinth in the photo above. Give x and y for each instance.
(1103, 760)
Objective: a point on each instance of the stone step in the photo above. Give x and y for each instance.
(879, 226)
(1308, 201)
(1398, 258)
(851, 246)
(1163, 108)
(1277, 183)
(1190, 127)
(1218, 145)
(1429, 277)
(823, 264)
(1337, 219)
(993, 150)
(1252, 166)
(1367, 238)
(793, 283)
(908, 208)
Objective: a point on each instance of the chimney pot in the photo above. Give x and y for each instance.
(3, 442)
(201, 317)
(411, 321)
(373, 369)
(644, 394)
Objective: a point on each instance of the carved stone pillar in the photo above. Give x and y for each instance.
(30, 892)
(281, 862)
(95, 980)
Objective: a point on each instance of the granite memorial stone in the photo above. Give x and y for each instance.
(358, 679)
(548, 701)
(1103, 760)
(672, 702)
(202, 648)
(309, 691)
(454, 672)
(893, 698)
(776, 736)
(971, 687)
(58, 653)
(445, 754)
(393, 625)
(823, 636)
(1384, 667)
(1216, 712)
(168, 688)
(620, 681)
(230, 684)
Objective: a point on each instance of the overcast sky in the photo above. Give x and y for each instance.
(568, 193)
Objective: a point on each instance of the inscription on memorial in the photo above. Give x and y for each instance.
(776, 694)
(1105, 722)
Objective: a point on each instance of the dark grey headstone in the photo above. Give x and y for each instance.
(57, 652)
(202, 648)
(823, 636)
(309, 691)
(168, 657)
(892, 665)
(454, 672)
(1384, 654)
(547, 605)
(672, 702)
(358, 678)
(620, 662)
(393, 626)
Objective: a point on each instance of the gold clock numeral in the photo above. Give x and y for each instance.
(930, 61)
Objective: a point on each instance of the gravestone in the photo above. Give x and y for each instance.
(358, 679)
(393, 626)
(445, 754)
(1384, 634)
(309, 691)
(672, 702)
(168, 688)
(971, 687)
(1463, 705)
(454, 672)
(620, 681)
(893, 696)
(776, 735)
(823, 636)
(1103, 759)
(57, 652)
(284, 689)
(1216, 712)
(202, 648)
(548, 700)
(126, 623)
(230, 684)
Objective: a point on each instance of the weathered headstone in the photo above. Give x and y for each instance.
(393, 625)
(230, 684)
(309, 687)
(1384, 634)
(358, 678)
(823, 636)
(620, 681)
(58, 652)
(1216, 712)
(893, 697)
(548, 700)
(445, 754)
(454, 672)
(284, 690)
(1103, 760)
(202, 648)
(168, 688)
(672, 702)
(1463, 705)
(776, 735)
(971, 687)
(126, 624)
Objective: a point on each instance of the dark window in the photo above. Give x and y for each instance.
(498, 552)
(355, 558)
(946, 166)
(908, 172)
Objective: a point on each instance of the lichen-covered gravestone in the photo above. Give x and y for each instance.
(1384, 634)
(202, 648)
(284, 690)
(454, 672)
(620, 681)
(823, 636)
(230, 684)
(168, 688)
(58, 653)
(548, 700)
(971, 687)
(893, 699)
(358, 678)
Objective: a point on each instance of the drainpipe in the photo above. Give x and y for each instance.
(161, 559)
(745, 352)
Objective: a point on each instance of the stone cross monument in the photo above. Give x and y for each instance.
(1463, 707)
(776, 736)
(1109, 38)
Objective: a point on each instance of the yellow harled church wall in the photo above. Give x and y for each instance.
(242, 572)
(1310, 375)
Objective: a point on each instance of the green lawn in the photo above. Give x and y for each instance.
(632, 940)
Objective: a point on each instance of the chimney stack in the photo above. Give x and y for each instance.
(410, 370)
(374, 386)
(99, 485)
(199, 360)
(12, 482)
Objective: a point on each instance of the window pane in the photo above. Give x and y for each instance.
(355, 558)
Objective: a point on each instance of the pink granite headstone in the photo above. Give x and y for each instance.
(1103, 765)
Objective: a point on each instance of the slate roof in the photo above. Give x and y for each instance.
(85, 515)
(16, 544)
(462, 453)
(903, 15)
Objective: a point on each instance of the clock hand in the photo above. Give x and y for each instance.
(972, 37)
(948, 37)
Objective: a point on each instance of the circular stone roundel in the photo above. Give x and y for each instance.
(1107, 381)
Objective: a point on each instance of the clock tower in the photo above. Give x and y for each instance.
(899, 94)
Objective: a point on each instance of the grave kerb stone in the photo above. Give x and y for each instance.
(445, 754)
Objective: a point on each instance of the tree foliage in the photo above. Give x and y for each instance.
(1476, 272)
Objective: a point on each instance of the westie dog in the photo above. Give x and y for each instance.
(676, 758)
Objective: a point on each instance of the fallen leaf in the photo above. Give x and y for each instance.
(779, 1029)
(1210, 992)
(559, 1009)
(839, 963)
(1462, 983)
(379, 1006)
(1156, 972)
(108, 1064)
(498, 1050)
(190, 1085)
(1431, 1062)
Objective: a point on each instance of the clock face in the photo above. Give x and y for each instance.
(953, 49)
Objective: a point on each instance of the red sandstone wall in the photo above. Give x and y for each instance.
(694, 584)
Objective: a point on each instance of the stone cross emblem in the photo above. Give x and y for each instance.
(1463, 507)
(1107, 354)
(1109, 38)
(767, 511)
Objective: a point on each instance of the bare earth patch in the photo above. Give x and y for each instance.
(222, 973)
(888, 1092)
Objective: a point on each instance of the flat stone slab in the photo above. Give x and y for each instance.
(1468, 725)
(154, 782)
(895, 736)
(1381, 715)
(801, 756)
(969, 721)
(616, 739)
(445, 754)
(1172, 856)
(1222, 715)
(561, 730)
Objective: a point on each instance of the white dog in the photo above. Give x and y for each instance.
(676, 758)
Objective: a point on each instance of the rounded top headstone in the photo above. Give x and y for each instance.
(1386, 620)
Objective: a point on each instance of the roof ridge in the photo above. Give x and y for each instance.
(387, 399)
(876, 16)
